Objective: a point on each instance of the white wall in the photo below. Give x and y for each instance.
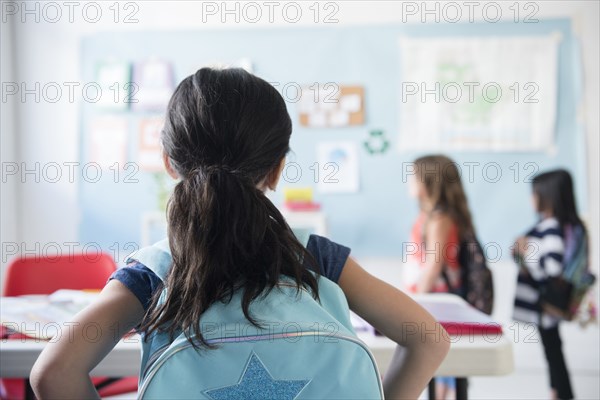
(9, 195)
(589, 25)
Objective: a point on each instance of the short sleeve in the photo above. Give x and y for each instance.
(140, 280)
(330, 256)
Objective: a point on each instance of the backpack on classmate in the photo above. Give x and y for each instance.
(306, 349)
(477, 285)
(561, 296)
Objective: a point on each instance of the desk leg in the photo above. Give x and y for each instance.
(461, 389)
(29, 395)
(431, 389)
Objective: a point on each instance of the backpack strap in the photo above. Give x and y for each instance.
(157, 258)
(303, 235)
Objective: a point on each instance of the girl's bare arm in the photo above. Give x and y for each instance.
(62, 370)
(438, 230)
(424, 342)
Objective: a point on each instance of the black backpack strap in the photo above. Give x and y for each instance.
(451, 288)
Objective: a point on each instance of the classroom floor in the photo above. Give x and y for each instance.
(524, 384)
(529, 381)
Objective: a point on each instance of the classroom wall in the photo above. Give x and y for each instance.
(40, 227)
(377, 219)
(9, 205)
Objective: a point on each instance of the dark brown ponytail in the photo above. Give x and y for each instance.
(226, 133)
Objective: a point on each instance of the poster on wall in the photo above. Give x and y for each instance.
(112, 86)
(331, 106)
(108, 141)
(496, 93)
(153, 84)
(338, 167)
(149, 151)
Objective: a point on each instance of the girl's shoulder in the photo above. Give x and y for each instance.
(545, 227)
(548, 223)
(143, 282)
(441, 215)
(329, 255)
(425, 218)
(420, 221)
(440, 219)
(140, 280)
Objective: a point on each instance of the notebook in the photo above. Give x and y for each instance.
(460, 318)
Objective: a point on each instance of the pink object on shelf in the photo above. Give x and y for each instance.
(302, 206)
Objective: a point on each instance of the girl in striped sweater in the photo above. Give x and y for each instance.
(541, 252)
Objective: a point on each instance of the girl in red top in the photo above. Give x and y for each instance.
(443, 253)
(442, 223)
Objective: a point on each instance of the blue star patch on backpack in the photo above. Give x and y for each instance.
(305, 350)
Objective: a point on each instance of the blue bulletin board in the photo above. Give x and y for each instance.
(376, 220)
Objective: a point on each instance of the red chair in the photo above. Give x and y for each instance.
(45, 275)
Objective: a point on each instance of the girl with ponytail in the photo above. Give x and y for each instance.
(225, 140)
(443, 222)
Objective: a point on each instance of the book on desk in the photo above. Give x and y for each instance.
(454, 314)
(459, 319)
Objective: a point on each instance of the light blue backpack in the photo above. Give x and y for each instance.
(307, 349)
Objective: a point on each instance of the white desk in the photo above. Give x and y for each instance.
(470, 355)
(18, 356)
(476, 357)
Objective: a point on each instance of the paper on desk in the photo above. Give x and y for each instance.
(43, 317)
(74, 296)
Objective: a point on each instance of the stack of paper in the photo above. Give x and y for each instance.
(43, 317)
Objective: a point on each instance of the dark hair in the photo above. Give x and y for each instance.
(554, 191)
(226, 132)
(441, 178)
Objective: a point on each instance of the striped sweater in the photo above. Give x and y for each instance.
(543, 258)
